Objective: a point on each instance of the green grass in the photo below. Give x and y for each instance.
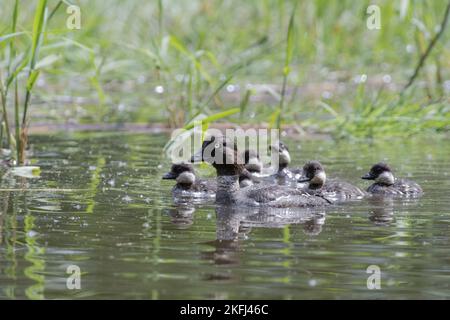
(195, 50)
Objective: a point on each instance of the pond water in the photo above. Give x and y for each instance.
(114, 218)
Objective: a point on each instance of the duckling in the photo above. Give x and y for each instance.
(229, 166)
(187, 182)
(387, 184)
(314, 175)
(254, 170)
(285, 175)
(246, 179)
(252, 162)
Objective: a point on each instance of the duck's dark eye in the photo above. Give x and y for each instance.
(216, 145)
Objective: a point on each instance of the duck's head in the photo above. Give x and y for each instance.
(284, 157)
(381, 173)
(314, 174)
(222, 155)
(183, 173)
(252, 162)
(245, 179)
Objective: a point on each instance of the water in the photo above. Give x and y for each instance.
(114, 218)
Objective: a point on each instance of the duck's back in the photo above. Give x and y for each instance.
(401, 187)
(342, 189)
(281, 197)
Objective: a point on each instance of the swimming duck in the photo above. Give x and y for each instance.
(253, 166)
(252, 162)
(314, 174)
(187, 182)
(285, 174)
(387, 184)
(229, 166)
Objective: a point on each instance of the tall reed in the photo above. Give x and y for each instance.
(290, 42)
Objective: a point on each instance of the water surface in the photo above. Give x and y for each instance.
(114, 218)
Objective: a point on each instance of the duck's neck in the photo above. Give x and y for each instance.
(185, 186)
(227, 189)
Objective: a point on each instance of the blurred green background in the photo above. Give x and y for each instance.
(167, 62)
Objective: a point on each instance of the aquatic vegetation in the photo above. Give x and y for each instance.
(28, 62)
(160, 62)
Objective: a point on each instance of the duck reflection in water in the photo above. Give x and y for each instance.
(234, 224)
(381, 210)
(182, 215)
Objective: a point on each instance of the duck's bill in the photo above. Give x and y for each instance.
(368, 176)
(197, 157)
(169, 175)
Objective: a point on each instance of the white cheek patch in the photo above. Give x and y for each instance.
(319, 178)
(385, 178)
(285, 157)
(186, 178)
(254, 165)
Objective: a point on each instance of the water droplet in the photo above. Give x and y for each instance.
(32, 233)
(121, 107)
(410, 48)
(312, 282)
(231, 88)
(159, 89)
(387, 78)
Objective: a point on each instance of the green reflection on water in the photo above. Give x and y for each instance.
(135, 243)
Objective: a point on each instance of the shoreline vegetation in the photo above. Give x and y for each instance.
(314, 67)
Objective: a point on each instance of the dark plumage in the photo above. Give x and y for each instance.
(387, 184)
(314, 174)
(188, 183)
(229, 192)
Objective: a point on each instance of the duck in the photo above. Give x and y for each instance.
(259, 174)
(284, 174)
(387, 184)
(253, 163)
(229, 166)
(188, 184)
(315, 177)
(253, 166)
